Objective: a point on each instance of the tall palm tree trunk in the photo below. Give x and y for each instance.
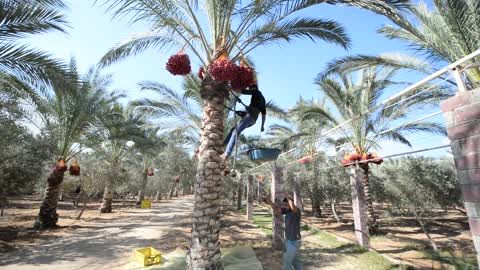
(204, 247)
(141, 192)
(48, 217)
(107, 198)
(372, 220)
(172, 190)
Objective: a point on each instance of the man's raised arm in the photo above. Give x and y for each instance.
(277, 210)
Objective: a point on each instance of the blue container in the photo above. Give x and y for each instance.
(263, 154)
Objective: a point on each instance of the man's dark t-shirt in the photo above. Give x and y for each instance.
(292, 224)
(257, 102)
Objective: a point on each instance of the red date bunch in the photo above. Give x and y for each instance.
(245, 77)
(370, 158)
(306, 160)
(74, 168)
(60, 167)
(179, 64)
(201, 73)
(223, 69)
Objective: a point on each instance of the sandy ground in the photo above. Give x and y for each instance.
(106, 241)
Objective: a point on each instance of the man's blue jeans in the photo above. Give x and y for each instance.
(290, 257)
(246, 122)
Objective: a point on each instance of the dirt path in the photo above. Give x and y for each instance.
(106, 243)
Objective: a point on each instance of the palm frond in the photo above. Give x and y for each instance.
(275, 110)
(21, 18)
(138, 43)
(357, 62)
(313, 29)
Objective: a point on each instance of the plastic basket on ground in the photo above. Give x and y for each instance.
(263, 154)
(147, 256)
(146, 204)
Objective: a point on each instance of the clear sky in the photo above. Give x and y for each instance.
(285, 72)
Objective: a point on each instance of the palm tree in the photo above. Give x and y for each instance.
(20, 19)
(350, 99)
(440, 36)
(64, 113)
(113, 137)
(232, 28)
(146, 151)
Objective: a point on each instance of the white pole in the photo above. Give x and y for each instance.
(459, 80)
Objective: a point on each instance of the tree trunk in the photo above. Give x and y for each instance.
(372, 220)
(317, 211)
(204, 251)
(158, 197)
(60, 196)
(278, 223)
(239, 194)
(297, 193)
(234, 197)
(259, 200)
(334, 211)
(3, 201)
(48, 217)
(141, 192)
(77, 199)
(425, 230)
(172, 190)
(359, 206)
(107, 198)
(85, 198)
(250, 197)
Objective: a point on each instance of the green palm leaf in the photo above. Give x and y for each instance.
(19, 19)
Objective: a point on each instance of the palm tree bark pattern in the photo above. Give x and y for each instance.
(141, 192)
(204, 251)
(48, 217)
(372, 220)
(107, 198)
(239, 193)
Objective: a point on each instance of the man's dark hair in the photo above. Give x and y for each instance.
(253, 87)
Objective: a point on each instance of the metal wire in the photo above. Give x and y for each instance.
(386, 157)
(394, 97)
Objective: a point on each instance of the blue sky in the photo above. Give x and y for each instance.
(285, 72)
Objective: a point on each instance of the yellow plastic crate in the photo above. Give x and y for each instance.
(146, 204)
(147, 256)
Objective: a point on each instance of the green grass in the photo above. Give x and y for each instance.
(351, 253)
(448, 258)
(459, 262)
(325, 244)
(305, 227)
(263, 219)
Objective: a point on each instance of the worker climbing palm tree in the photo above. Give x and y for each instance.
(257, 106)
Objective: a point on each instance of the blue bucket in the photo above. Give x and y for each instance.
(263, 154)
